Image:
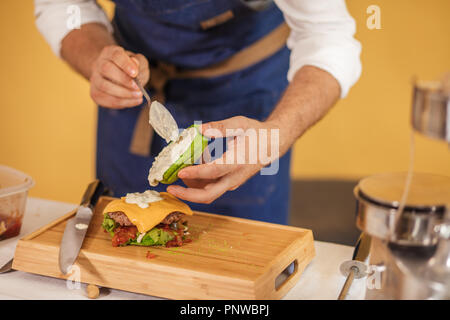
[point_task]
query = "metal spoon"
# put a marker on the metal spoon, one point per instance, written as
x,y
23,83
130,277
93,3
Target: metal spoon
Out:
x,y
160,118
144,92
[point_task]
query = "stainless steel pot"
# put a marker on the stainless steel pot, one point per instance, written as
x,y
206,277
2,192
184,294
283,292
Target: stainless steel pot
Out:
x,y
378,200
431,109
406,252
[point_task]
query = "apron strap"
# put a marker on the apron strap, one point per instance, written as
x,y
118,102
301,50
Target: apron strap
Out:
x,y
217,20
142,134
254,53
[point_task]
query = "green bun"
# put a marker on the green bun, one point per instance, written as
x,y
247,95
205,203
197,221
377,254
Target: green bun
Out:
x,y
188,158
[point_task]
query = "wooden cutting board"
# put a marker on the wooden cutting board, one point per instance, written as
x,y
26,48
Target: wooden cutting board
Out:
x,y
229,258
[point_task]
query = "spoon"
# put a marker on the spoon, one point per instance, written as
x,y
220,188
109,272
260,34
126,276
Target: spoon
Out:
x,y
160,118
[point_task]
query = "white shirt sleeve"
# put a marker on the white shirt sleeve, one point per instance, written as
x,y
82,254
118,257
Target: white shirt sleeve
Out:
x,y
322,36
55,18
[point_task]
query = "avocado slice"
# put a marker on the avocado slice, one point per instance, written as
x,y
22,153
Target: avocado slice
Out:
x,y
188,158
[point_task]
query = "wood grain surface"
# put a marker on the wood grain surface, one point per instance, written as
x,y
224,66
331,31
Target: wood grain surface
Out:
x,y
229,258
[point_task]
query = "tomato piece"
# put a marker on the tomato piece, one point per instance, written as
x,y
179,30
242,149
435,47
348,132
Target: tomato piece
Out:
x,y
177,242
122,235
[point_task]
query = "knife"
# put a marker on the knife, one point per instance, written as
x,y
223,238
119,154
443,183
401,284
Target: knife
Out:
x,y
355,268
77,226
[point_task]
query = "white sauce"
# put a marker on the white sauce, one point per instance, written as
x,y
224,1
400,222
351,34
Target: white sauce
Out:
x,y
81,226
169,155
139,238
163,122
143,199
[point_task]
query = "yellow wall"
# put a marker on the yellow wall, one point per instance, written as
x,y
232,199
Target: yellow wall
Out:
x,y
47,120
369,131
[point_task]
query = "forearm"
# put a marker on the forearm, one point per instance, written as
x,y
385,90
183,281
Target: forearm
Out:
x,y
310,95
81,47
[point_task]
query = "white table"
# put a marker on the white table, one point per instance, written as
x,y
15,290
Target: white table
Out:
x,y
320,280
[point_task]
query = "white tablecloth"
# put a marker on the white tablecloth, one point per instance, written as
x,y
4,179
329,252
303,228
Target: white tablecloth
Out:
x,y
320,280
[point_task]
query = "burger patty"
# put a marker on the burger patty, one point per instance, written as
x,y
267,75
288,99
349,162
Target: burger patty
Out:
x,y
173,217
122,219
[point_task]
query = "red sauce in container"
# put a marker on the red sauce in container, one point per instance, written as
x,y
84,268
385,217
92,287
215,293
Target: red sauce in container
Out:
x,y
14,186
9,227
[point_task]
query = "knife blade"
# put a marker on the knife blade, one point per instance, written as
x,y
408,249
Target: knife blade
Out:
x,y
76,227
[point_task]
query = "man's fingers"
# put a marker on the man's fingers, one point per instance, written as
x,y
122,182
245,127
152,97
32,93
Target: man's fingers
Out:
x,y
136,61
206,195
144,70
111,71
206,191
206,156
112,83
106,86
119,57
109,101
142,60
210,170
225,128
197,183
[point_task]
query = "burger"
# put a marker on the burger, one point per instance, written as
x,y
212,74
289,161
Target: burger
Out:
x,y
152,218
147,219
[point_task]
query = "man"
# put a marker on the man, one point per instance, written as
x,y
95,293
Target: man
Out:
x,y
223,62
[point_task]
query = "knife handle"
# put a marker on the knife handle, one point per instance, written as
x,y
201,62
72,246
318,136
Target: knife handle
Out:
x,y
92,193
347,284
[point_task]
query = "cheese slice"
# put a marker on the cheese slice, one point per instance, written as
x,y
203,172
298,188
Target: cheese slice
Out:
x,y
146,218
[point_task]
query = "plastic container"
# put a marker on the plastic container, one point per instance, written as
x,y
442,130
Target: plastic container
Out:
x,y
14,186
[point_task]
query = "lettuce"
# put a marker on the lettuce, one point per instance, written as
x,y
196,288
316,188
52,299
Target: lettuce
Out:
x,y
154,237
165,237
109,224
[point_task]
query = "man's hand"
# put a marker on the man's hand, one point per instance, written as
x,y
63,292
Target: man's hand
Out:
x,y
307,99
93,52
209,181
112,75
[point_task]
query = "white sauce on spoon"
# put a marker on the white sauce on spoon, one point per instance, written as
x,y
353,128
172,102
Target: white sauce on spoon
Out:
x,y
163,122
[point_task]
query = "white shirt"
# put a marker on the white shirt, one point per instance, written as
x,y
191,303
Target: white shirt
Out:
x,y
321,33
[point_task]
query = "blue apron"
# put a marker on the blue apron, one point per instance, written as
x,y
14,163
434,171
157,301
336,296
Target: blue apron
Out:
x,y
169,31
